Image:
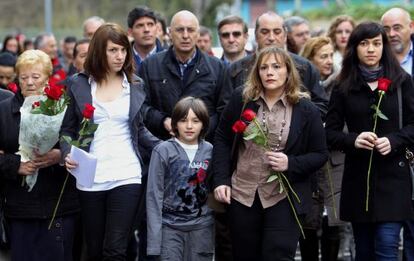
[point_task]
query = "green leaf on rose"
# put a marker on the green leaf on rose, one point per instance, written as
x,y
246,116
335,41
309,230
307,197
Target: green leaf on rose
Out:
x,y
272,178
382,116
251,136
260,140
86,141
67,139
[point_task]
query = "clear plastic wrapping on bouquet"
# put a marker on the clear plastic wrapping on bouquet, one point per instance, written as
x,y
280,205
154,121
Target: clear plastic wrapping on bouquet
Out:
x,y
38,133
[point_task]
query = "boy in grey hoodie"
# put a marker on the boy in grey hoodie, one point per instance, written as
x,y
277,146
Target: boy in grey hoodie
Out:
x,y
180,224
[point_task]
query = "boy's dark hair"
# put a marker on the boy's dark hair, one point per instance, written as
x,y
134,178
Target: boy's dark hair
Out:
x,y
181,110
139,12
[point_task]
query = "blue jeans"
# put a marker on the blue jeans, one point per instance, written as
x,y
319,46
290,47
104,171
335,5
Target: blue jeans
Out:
x,y
107,220
409,241
377,241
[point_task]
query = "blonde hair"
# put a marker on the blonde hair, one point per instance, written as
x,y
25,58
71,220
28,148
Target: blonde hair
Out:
x,y
312,46
34,57
254,85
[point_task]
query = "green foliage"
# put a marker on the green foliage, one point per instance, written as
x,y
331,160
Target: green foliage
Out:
x,y
359,11
68,16
255,133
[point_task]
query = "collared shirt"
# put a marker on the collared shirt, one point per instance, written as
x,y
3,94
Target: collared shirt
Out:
x,y
253,169
407,62
139,59
227,62
185,65
117,162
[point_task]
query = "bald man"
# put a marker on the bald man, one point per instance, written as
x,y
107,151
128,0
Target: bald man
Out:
x,y
182,70
399,27
270,31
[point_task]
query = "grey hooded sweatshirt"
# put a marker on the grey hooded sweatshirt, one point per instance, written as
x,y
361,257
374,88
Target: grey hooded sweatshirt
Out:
x,y
177,191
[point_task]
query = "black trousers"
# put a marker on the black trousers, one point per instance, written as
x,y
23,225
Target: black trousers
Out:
x,y
107,219
270,234
32,240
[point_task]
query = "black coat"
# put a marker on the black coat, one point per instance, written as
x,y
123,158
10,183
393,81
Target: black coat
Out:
x,y
390,182
4,94
40,202
306,148
164,88
239,71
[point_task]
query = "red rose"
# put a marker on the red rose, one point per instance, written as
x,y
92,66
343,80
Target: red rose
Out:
x,y
383,84
36,104
88,111
12,87
239,126
53,92
201,175
248,115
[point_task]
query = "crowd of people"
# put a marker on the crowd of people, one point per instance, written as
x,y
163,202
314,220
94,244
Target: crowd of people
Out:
x,y
238,157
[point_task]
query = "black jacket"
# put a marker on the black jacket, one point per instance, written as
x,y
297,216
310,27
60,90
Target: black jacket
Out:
x,y
164,88
306,146
40,202
80,93
4,94
239,71
390,182
137,59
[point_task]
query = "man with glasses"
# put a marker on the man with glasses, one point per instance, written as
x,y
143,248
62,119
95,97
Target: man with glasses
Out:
x,y
233,35
399,27
182,70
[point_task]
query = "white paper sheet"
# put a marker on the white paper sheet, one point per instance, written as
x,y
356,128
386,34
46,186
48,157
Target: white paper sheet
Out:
x,y
85,172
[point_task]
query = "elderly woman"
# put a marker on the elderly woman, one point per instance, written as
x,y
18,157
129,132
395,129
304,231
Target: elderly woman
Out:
x,y
339,32
262,222
327,181
29,213
377,203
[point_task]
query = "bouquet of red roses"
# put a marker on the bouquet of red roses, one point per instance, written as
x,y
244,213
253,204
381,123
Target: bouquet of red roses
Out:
x,y
41,118
251,129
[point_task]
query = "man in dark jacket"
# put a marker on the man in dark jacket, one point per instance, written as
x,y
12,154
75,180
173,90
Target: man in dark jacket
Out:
x,y
270,31
398,25
142,26
182,70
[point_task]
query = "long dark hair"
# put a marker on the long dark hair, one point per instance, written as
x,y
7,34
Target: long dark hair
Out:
x,y
349,75
96,62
